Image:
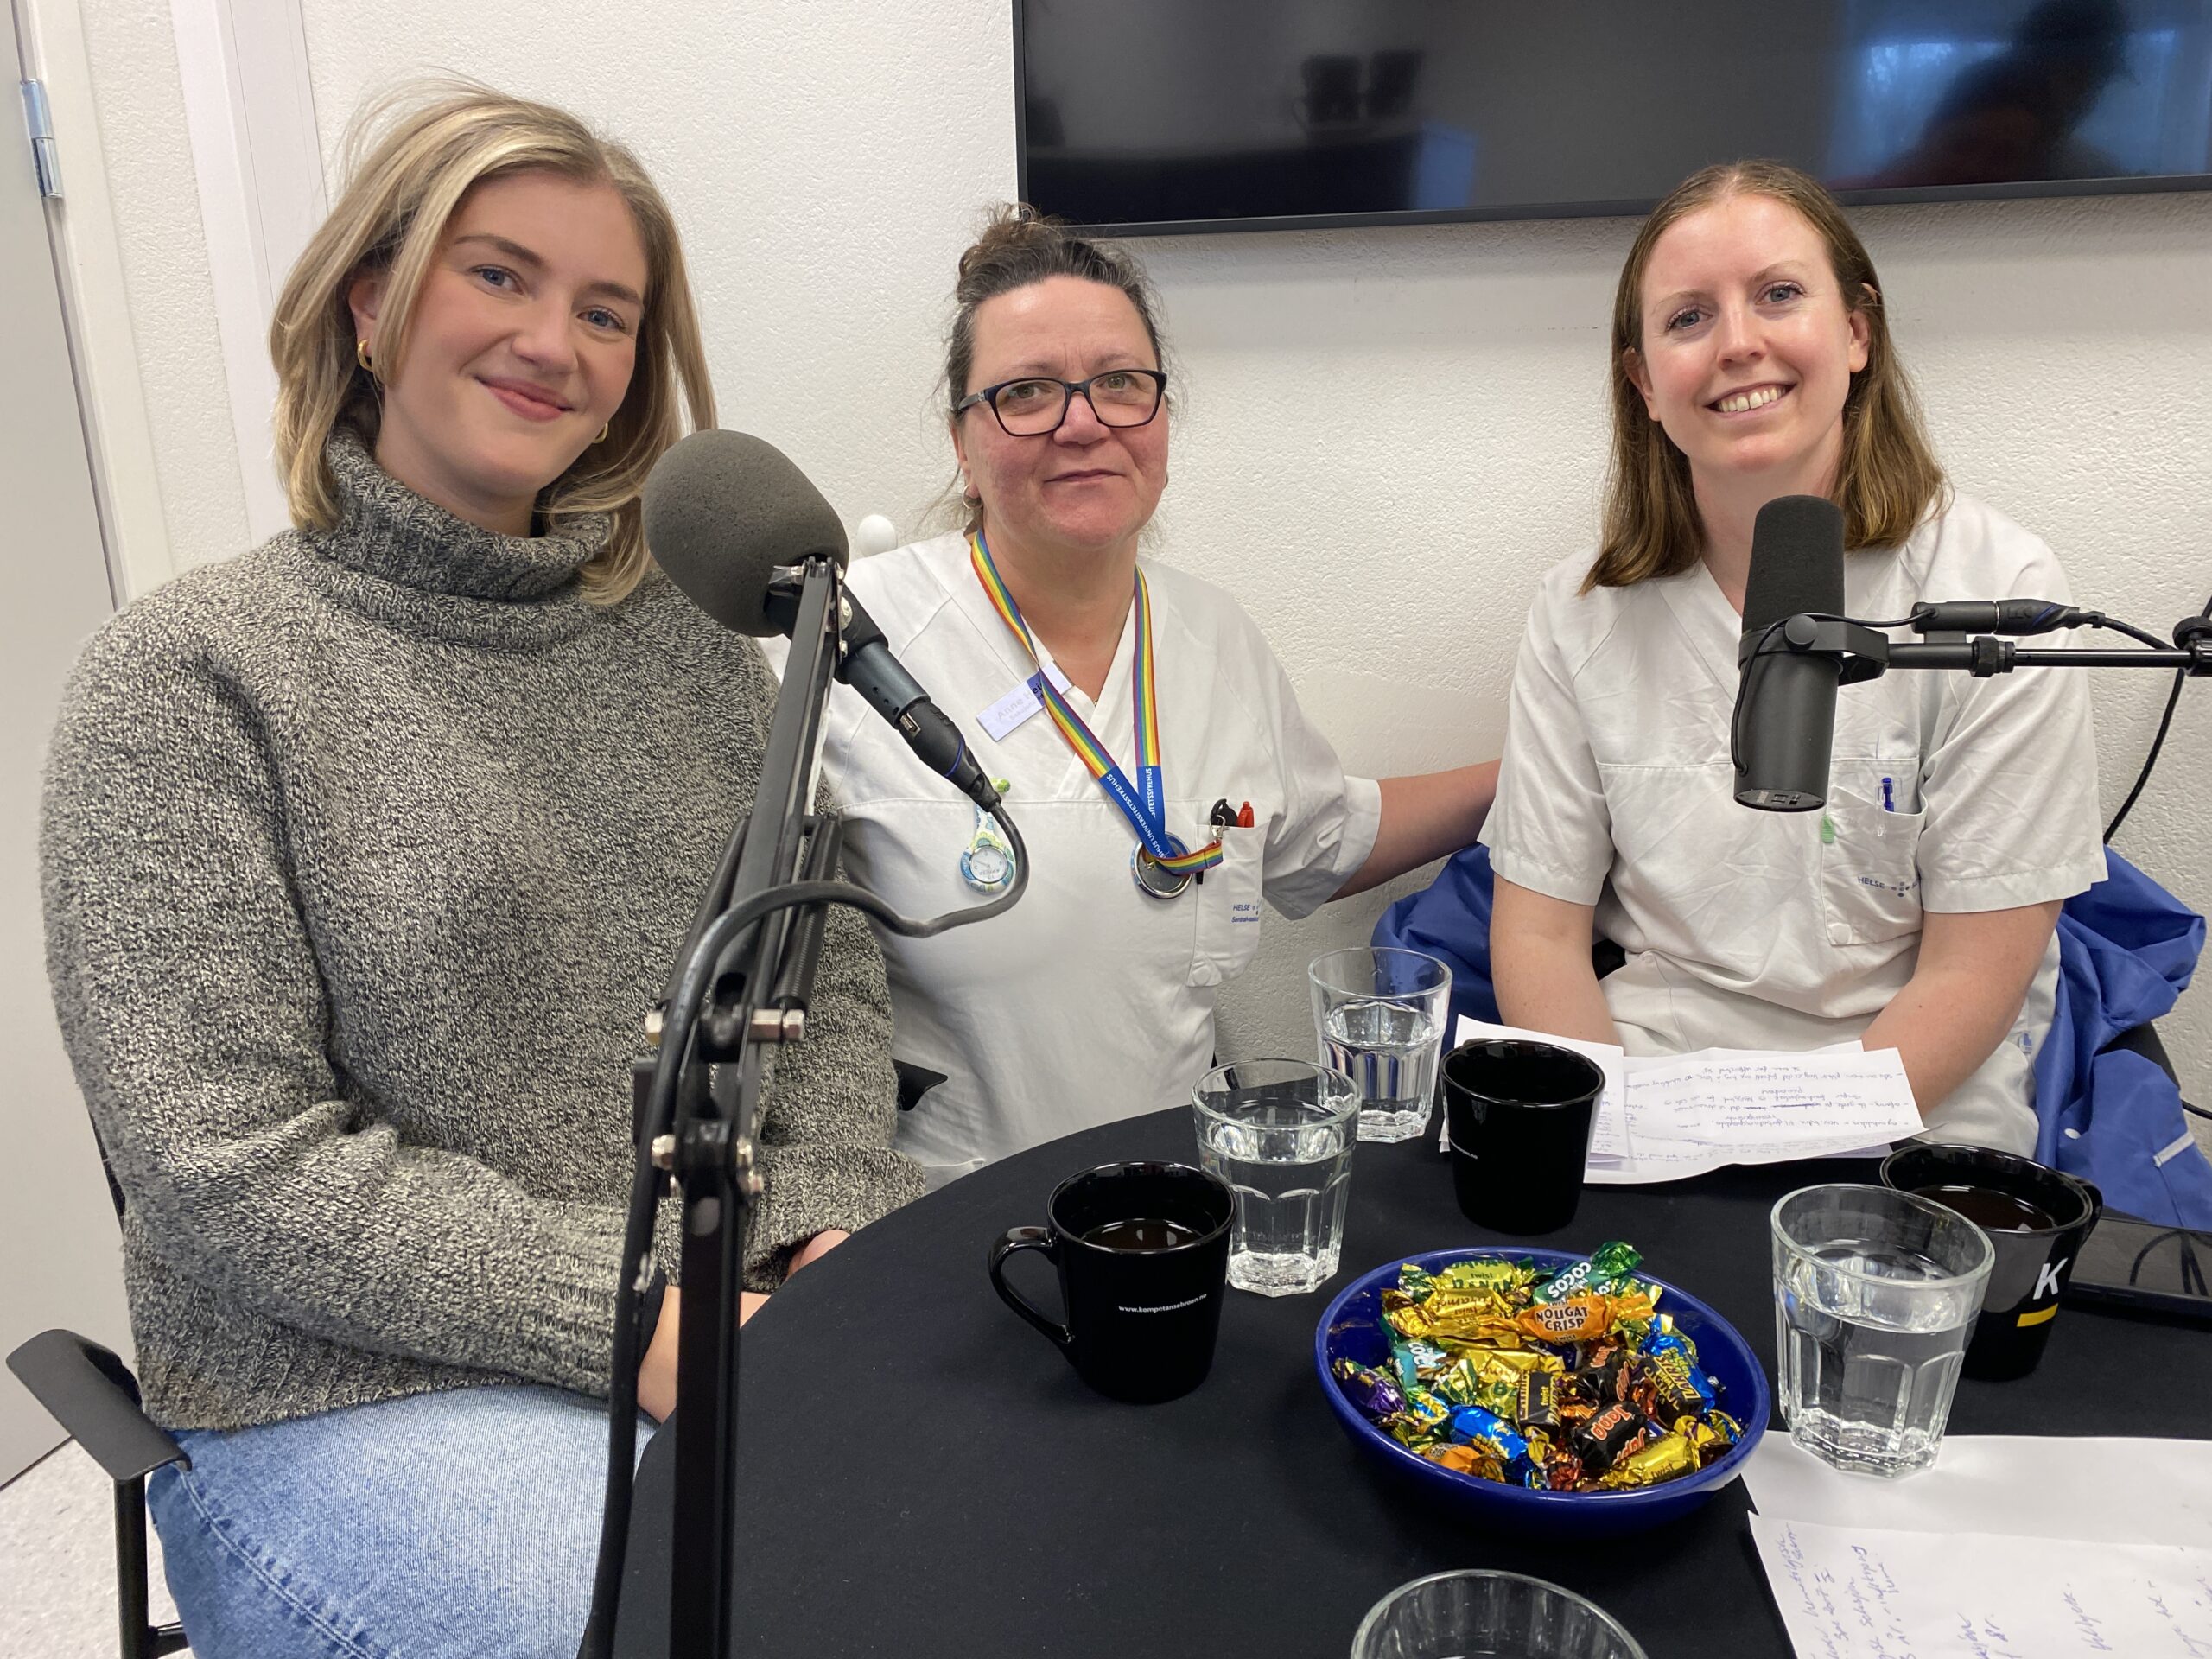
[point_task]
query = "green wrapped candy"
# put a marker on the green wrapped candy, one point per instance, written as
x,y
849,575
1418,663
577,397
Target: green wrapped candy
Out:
x,y
1615,1259
1416,1282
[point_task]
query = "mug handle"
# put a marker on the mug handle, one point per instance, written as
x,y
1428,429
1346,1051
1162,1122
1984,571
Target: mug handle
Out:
x,y
1026,1238
2096,1200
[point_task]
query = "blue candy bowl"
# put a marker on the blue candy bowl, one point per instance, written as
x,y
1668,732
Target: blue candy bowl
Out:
x,y
1352,1329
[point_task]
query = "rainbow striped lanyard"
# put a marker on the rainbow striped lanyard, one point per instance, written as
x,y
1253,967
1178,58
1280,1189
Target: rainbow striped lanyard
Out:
x,y
1145,806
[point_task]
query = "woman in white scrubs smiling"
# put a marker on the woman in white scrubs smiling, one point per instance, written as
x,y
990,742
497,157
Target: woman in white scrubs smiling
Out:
x,y
1752,360
1093,999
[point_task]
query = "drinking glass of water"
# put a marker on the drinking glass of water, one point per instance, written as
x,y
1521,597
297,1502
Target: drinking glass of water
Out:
x,y
1380,1015
1875,1294
1480,1612
1281,1133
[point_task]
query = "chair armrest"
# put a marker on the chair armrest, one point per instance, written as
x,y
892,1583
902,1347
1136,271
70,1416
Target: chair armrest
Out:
x,y
91,1394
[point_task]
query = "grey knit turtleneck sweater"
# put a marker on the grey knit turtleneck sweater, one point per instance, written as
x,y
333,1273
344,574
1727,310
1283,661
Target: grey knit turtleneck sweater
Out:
x,y
363,855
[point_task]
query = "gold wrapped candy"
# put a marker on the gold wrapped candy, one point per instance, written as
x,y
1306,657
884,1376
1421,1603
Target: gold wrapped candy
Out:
x,y
1665,1457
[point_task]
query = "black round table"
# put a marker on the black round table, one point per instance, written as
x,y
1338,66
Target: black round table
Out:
x,y
922,1474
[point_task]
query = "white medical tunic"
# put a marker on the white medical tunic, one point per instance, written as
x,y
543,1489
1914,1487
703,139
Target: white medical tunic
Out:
x,y
1089,1000
1770,930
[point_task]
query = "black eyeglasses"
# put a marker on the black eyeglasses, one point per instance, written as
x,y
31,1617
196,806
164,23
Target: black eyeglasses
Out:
x,y
1035,405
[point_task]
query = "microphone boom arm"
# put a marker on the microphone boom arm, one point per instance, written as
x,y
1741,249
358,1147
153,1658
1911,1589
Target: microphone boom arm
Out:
x,y
1865,653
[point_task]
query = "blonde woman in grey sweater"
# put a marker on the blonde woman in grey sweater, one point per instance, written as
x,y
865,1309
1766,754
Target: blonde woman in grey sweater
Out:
x,y
364,854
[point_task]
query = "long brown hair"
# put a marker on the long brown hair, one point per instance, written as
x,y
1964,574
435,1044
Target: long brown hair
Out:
x,y
413,157
1888,479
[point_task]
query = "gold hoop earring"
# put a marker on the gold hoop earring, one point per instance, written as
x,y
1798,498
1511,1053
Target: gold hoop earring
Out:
x,y
361,356
603,431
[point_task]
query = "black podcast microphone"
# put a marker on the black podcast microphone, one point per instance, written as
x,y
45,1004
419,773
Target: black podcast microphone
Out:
x,y
1785,707
725,514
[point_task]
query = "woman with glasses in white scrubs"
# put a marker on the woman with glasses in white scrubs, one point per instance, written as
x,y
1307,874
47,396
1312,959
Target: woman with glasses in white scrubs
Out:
x,y
1752,360
1155,757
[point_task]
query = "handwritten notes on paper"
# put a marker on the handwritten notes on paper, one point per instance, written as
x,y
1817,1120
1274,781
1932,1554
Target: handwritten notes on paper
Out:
x,y
1988,1553
1665,1117
1857,1594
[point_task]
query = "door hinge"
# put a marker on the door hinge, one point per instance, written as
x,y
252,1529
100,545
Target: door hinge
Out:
x,y
40,120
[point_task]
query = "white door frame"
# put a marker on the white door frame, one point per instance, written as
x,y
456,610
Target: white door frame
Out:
x,y
249,105
96,306
256,153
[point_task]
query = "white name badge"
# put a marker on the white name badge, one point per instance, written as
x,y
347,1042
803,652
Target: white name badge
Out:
x,y
1010,711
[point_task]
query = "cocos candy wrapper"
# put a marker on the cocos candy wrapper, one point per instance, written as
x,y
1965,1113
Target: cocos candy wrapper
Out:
x,y
1610,1261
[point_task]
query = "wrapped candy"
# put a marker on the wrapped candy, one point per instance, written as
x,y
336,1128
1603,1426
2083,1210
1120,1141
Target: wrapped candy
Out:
x,y
1609,1261
1609,1436
1377,1393
1535,1402
1677,1385
1710,1437
1465,1381
1662,1459
1493,1437
1492,1273
1416,1360
1579,1318
1465,1458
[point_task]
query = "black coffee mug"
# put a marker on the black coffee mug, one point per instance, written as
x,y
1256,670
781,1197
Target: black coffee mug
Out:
x,y
1521,1115
1143,1255
2038,1217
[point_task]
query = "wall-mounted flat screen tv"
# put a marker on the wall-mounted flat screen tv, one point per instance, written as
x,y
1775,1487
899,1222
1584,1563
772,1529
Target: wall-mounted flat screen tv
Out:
x,y
1196,115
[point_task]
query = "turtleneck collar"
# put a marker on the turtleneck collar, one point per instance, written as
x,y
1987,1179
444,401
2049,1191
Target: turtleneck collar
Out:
x,y
388,532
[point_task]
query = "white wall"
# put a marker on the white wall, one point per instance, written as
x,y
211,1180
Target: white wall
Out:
x,y
1387,435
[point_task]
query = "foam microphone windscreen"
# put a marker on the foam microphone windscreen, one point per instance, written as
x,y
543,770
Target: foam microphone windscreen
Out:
x,y
723,511
1796,562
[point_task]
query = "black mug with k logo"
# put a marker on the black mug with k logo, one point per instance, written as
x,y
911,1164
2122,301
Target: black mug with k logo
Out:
x,y
2038,1219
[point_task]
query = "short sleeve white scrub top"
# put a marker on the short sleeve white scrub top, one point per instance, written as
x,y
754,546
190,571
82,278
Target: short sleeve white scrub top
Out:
x,y
1791,931
1089,1000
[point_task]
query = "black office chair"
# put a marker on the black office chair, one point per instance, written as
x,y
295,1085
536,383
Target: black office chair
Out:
x,y
91,1394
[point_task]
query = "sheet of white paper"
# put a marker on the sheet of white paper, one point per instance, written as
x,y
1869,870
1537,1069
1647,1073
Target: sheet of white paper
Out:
x,y
1855,1594
1688,1114
1609,1140
2116,1491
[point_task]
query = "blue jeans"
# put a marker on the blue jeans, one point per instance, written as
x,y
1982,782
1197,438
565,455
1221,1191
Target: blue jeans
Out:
x,y
464,1522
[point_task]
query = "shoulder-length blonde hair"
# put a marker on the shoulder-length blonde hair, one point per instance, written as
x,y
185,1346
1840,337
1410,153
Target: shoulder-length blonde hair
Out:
x,y
412,157
1888,479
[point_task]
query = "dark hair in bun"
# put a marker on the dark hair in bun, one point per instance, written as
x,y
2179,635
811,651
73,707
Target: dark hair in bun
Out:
x,y
1019,246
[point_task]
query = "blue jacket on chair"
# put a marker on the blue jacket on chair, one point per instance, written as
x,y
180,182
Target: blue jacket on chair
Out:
x,y
2126,949
1449,919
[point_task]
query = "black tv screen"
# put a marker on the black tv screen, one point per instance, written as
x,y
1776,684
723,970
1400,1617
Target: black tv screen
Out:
x,y
1187,115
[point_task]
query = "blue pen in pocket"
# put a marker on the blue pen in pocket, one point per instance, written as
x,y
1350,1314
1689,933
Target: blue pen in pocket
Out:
x,y
1889,795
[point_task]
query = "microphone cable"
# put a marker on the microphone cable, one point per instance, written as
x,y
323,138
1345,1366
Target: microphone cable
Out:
x,y
1759,652
676,1035
2158,742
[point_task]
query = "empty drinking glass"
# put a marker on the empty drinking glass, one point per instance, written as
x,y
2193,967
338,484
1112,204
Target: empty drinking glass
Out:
x,y
1379,1013
1281,1133
1478,1612
1875,1293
